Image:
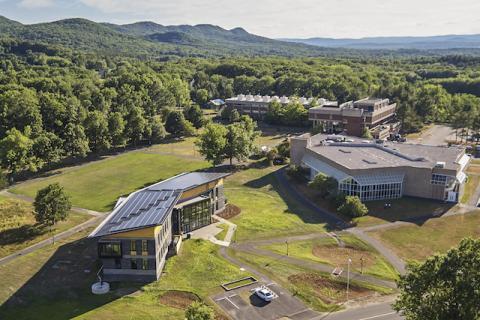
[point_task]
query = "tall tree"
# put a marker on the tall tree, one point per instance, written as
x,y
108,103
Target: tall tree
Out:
x,y
445,286
240,139
212,142
51,205
194,114
16,152
96,126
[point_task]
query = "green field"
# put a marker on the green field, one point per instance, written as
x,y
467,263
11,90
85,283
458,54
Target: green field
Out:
x,y
18,228
267,210
402,209
317,290
326,250
49,293
435,235
97,185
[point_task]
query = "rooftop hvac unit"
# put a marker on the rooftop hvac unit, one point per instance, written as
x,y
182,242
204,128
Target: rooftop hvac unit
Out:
x,y
440,164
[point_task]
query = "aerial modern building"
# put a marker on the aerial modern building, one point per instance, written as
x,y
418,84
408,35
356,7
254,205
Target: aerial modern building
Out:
x,y
350,118
386,170
257,106
134,239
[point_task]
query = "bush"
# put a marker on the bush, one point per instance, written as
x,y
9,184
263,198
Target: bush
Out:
x,y
297,173
353,207
324,184
199,311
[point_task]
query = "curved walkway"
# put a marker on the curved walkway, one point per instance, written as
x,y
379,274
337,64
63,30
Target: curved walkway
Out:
x,y
335,221
95,220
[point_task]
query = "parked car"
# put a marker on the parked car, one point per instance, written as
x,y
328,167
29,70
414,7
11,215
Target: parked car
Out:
x,y
265,294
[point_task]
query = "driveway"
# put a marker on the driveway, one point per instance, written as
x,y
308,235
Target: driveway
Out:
x,y
243,304
435,136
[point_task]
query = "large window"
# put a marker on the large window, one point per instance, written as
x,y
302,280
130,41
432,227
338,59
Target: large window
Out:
x,y
380,191
133,247
440,179
144,248
109,249
196,215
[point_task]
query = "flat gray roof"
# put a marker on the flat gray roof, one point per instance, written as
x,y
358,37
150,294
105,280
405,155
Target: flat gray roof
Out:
x,y
357,153
151,205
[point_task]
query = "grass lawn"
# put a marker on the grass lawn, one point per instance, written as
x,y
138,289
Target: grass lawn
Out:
x,y
18,228
326,250
402,209
470,187
435,235
223,233
51,284
267,210
97,185
317,290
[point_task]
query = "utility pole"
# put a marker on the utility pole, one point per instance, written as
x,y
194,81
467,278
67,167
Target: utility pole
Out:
x,y
361,265
286,242
348,277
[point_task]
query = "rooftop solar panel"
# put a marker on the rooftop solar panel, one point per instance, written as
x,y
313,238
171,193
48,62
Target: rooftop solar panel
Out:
x,y
149,206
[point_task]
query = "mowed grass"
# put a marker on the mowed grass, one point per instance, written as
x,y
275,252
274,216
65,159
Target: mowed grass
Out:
x,y
42,292
97,185
326,250
223,233
402,209
18,228
318,290
470,187
417,242
267,210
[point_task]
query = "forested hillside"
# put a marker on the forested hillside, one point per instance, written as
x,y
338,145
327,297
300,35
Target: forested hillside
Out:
x,y
59,103
148,40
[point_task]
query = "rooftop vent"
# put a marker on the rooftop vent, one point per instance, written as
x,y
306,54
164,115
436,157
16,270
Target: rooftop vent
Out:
x,y
369,162
345,151
440,164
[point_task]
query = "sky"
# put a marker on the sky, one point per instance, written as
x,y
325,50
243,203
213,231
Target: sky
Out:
x,y
270,18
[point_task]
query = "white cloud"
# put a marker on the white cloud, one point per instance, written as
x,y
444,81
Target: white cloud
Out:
x,y
31,4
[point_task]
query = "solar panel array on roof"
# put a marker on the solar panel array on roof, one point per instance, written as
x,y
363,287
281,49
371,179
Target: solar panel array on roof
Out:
x,y
150,206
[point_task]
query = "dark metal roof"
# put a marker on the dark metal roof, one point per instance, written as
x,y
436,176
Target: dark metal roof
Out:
x,y
150,206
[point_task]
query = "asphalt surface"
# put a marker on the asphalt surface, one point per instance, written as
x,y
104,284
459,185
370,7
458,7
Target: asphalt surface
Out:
x,y
243,304
382,311
435,136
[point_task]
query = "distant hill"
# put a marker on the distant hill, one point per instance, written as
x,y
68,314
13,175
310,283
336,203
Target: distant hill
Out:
x,y
394,43
148,39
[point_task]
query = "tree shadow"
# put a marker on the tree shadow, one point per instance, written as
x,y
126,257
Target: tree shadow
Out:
x,y
21,234
295,204
60,289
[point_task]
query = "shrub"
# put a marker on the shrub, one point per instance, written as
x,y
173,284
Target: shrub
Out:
x,y
353,207
297,173
199,311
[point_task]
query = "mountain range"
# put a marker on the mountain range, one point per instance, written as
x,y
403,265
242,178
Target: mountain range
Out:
x,y
150,39
394,43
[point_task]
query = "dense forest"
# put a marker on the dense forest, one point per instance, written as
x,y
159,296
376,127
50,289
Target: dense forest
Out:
x,y
59,103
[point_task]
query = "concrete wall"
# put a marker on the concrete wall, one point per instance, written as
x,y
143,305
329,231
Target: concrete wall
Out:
x,y
297,148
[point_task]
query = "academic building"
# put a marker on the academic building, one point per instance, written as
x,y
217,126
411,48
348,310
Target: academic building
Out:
x,y
386,170
133,241
350,118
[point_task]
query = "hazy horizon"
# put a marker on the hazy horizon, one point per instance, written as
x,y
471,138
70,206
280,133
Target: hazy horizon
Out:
x,y
338,19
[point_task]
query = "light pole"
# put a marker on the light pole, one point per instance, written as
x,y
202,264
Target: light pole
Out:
x,y
348,276
286,242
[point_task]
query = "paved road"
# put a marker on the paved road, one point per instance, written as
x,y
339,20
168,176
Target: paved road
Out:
x,y
435,136
382,311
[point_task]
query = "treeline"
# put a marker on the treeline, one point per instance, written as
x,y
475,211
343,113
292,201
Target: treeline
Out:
x,y
57,106
57,103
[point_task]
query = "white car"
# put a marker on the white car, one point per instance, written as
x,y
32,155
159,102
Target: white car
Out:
x,y
264,293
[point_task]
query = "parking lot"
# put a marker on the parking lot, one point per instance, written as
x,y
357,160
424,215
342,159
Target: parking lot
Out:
x,y
243,304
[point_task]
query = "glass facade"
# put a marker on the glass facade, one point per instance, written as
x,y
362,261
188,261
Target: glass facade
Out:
x,y
109,249
196,215
372,191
